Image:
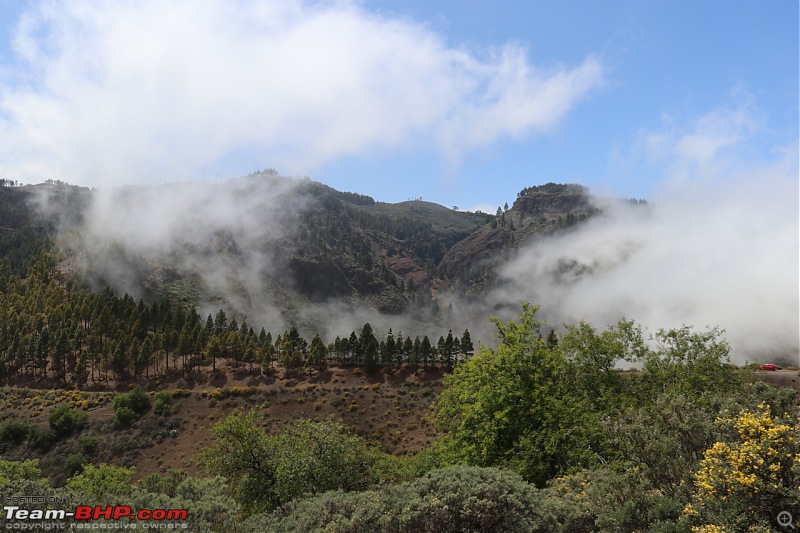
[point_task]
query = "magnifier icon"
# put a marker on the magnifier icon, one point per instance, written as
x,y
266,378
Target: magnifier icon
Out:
x,y
785,519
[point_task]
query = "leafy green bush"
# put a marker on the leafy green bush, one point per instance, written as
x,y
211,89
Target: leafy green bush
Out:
x,y
334,511
124,417
64,420
311,457
74,464
451,500
211,508
308,458
162,405
465,498
163,484
607,499
41,440
14,432
543,409
102,481
136,400
521,407
130,406
11,471
666,437
90,444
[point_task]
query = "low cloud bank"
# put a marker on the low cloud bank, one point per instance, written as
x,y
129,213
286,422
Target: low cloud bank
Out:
x,y
716,246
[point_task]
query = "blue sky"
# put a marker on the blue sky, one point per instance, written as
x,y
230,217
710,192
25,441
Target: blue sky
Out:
x,y
460,102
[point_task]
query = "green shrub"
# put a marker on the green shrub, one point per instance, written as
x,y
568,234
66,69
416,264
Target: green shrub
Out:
x,y
136,400
353,512
14,433
465,498
14,471
618,498
124,417
307,458
162,405
167,485
74,464
102,481
39,439
64,420
455,499
90,444
129,407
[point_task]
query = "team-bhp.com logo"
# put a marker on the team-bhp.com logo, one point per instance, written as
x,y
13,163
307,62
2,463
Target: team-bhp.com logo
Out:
x,y
94,517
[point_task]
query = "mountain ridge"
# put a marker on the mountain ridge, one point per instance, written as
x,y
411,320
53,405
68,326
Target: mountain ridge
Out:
x,y
297,243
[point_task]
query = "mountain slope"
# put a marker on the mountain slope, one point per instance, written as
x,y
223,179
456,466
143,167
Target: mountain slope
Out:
x,y
286,250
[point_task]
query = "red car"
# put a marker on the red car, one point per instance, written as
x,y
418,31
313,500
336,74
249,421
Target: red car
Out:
x,y
768,366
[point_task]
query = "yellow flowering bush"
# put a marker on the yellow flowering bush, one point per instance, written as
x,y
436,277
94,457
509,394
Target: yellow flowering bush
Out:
x,y
755,468
243,391
709,528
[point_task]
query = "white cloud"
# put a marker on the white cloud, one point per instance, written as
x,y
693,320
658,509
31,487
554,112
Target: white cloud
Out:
x,y
152,90
483,208
226,237
717,246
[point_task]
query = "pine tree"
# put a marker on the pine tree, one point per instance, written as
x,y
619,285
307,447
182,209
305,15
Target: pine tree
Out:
x,y
220,322
269,349
262,337
119,361
42,353
158,344
60,358
80,374
371,357
426,351
294,341
318,354
146,356
353,350
446,351
209,326
388,353
250,357
135,355
467,347
408,346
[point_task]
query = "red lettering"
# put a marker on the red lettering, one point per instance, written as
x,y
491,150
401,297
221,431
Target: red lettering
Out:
x,y
121,511
83,512
177,514
103,512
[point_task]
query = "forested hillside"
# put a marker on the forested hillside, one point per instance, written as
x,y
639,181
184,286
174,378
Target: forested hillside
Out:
x,y
68,335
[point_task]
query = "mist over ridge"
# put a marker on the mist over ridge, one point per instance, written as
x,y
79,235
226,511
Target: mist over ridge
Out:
x,y
278,251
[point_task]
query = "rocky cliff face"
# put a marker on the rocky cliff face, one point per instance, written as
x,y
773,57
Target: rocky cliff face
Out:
x,y
553,200
537,211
